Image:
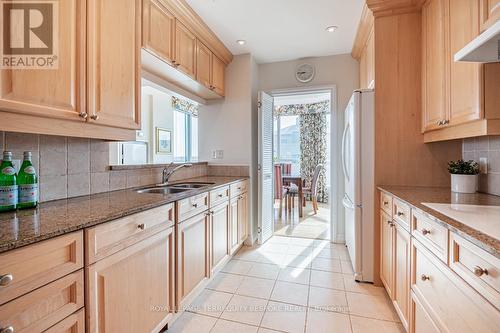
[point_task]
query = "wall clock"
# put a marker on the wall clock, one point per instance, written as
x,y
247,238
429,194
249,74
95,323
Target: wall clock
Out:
x,y
304,73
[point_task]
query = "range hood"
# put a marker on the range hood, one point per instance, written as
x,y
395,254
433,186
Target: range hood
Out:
x,y
484,48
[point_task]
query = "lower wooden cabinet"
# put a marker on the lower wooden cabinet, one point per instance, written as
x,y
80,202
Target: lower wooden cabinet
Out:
x,y
133,290
242,217
386,251
238,230
233,227
219,235
74,323
193,259
401,269
422,322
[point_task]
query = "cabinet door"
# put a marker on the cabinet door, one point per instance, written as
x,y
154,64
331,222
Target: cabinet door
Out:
x,y
242,217
219,232
218,80
421,321
133,290
465,78
490,13
185,50
401,268
386,252
114,64
57,93
233,227
203,64
193,258
434,64
158,26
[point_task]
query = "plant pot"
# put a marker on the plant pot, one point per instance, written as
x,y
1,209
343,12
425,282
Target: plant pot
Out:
x,y
464,183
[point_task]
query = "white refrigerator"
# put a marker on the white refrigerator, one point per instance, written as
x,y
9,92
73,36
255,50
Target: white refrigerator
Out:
x,y
358,146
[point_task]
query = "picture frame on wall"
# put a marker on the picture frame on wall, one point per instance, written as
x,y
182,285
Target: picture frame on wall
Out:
x,y
163,141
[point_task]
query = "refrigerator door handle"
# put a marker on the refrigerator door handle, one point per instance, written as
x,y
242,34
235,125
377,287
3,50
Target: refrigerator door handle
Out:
x,y
344,167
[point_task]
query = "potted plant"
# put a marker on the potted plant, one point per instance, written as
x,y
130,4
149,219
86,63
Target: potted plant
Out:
x,y
463,176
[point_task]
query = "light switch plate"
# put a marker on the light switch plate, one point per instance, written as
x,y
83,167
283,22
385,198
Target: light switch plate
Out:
x,y
214,154
220,154
483,165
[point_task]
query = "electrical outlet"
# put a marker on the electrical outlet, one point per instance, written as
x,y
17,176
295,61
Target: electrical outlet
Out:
x,y
220,154
483,165
214,154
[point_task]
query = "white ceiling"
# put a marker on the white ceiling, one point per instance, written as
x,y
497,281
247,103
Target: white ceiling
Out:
x,y
278,30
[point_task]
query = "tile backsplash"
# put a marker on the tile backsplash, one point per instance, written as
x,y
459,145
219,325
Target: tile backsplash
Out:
x,y
488,147
70,167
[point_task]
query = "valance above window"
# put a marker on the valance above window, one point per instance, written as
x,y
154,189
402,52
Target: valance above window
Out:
x,y
183,105
298,109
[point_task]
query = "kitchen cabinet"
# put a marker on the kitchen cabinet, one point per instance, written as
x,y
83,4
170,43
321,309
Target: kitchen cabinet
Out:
x,y
367,63
234,241
133,290
74,323
114,63
422,322
401,269
242,217
458,98
53,93
204,67
386,252
219,235
218,76
185,50
158,26
193,255
490,12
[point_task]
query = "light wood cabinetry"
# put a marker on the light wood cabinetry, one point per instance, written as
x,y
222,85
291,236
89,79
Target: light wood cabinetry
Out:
x,y
490,12
204,58
193,255
185,50
45,306
364,49
192,206
74,323
234,241
422,322
401,269
158,26
219,235
456,98
114,63
133,290
242,217
386,252
430,233
218,76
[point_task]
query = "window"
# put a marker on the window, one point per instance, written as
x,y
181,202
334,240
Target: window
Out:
x,y
185,141
287,141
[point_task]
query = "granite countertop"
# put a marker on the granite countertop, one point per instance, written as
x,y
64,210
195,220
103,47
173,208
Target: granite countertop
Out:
x,y
416,196
54,218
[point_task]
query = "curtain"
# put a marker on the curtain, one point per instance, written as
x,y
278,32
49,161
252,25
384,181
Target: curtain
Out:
x,y
313,150
183,105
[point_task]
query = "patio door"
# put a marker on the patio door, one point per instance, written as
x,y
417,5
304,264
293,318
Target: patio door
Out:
x,y
265,167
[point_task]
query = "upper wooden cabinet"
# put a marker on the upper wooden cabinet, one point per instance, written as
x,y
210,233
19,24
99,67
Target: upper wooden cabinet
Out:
x,y
364,49
490,12
458,98
53,93
114,77
158,26
182,50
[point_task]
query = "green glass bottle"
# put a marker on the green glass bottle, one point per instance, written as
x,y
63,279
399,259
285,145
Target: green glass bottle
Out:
x,y
8,185
27,182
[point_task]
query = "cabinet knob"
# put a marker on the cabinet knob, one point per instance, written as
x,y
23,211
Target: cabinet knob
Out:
x,y
400,213
446,122
141,226
425,277
478,271
94,117
83,115
8,329
386,203
195,205
220,195
425,232
6,279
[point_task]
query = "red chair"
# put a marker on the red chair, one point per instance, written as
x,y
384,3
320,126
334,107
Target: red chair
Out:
x,y
279,190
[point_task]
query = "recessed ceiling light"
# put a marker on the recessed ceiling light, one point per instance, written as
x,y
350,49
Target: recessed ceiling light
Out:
x,y
241,41
331,28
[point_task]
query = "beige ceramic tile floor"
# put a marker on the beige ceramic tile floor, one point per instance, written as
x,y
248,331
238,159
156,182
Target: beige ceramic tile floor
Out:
x,y
309,226
292,285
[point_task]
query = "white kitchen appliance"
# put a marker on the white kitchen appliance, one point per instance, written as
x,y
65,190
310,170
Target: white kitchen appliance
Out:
x,y
358,146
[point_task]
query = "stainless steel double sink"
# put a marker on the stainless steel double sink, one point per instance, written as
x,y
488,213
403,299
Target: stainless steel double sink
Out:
x,y
174,188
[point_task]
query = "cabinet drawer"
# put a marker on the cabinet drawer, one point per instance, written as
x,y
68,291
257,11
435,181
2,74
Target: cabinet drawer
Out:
x,y
111,237
452,303
431,234
219,195
74,323
238,188
401,213
35,265
44,307
386,203
191,206
479,268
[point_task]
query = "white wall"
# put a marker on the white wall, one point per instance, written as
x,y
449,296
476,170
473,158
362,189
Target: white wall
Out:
x,y
339,70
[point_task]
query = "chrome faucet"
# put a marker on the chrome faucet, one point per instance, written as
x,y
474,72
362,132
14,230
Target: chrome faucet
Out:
x,y
170,169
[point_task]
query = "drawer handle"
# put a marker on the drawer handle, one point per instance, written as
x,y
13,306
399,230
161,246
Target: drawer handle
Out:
x,y
195,205
5,280
220,195
425,277
141,226
239,188
425,232
478,271
386,203
401,214
8,329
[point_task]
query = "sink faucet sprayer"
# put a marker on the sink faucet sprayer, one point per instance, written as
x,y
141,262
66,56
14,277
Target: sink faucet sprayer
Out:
x,y
170,169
